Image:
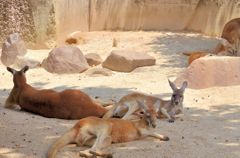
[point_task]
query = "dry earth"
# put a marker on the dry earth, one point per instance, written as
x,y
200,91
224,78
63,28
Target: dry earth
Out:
x,y
210,127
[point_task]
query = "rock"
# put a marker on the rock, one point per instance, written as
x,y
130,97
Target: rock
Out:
x,y
65,59
93,72
127,60
20,62
93,59
14,46
211,72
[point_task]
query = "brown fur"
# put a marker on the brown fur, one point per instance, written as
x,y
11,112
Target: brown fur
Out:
x,y
128,104
195,55
68,104
231,31
100,133
71,40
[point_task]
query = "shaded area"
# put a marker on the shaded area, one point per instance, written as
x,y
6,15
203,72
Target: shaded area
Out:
x,y
214,131
183,43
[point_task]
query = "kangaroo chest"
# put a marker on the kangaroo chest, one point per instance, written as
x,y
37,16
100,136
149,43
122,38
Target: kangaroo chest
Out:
x,y
124,132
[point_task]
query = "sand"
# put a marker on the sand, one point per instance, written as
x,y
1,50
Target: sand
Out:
x,y
210,127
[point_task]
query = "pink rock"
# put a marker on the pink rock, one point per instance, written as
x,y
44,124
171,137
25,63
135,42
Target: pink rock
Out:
x,y
211,71
127,60
93,59
65,59
94,72
14,46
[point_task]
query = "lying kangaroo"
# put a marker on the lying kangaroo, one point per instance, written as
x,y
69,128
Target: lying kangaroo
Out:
x,y
228,45
128,104
68,104
195,55
100,133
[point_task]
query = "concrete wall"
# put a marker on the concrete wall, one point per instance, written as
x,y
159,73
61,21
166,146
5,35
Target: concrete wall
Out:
x,y
56,19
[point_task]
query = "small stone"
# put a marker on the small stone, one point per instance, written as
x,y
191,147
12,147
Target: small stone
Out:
x,y
93,59
95,72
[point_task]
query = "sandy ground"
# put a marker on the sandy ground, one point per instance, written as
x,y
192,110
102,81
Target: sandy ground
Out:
x,y
210,127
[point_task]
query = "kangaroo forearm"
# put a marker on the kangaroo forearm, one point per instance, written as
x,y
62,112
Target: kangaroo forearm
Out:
x,y
10,103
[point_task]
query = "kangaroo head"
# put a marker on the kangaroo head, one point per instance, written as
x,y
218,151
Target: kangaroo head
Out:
x,y
18,76
178,94
149,115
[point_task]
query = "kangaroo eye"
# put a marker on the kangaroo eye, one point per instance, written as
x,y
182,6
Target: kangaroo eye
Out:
x,y
174,95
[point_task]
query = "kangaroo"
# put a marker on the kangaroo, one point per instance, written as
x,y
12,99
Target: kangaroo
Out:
x,y
100,133
231,31
128,104
228,45
68,104
195,55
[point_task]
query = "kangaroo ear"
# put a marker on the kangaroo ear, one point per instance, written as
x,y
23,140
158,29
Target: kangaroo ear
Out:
x,y
11,70
184,85
172,85
24,69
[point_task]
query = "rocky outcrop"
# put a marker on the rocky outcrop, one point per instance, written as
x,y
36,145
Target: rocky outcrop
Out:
x,y
13,47
16,16
93,59
34,20
211,72
65,59
127,60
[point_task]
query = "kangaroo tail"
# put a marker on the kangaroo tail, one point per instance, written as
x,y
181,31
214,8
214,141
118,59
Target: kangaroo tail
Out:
x,y
186,53
102,103
67,138
110,112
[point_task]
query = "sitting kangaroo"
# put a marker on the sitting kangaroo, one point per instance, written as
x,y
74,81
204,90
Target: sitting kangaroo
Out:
x,y
68,104
100,133
128,104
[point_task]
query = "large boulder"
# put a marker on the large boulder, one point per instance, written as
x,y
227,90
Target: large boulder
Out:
x,y
211,72
65,59
93,59
14,46
127,60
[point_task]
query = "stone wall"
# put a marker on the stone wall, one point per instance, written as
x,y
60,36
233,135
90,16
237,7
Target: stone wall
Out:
x,y
17,16
41,21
